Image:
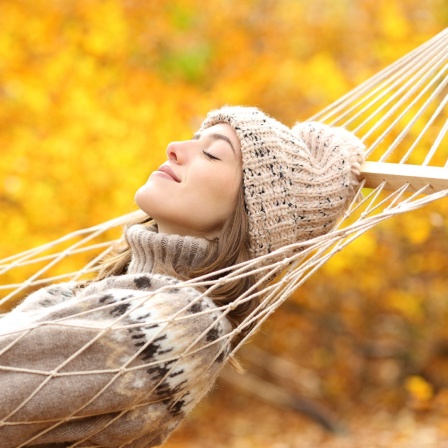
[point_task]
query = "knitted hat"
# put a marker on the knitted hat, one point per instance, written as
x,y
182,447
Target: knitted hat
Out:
x,y
297,182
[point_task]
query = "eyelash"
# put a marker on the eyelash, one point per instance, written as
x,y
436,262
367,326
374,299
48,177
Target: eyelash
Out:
x,y
210,156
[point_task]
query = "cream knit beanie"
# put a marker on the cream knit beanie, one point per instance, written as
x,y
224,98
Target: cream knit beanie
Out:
x,y
297,182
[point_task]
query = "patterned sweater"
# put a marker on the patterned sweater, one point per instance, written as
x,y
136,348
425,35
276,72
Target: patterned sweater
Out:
x,y
118,363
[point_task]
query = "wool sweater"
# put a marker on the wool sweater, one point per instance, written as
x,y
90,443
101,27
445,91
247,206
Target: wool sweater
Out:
x,y
118,363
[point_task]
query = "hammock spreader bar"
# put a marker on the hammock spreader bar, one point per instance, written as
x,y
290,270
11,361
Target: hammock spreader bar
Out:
x,y
395,175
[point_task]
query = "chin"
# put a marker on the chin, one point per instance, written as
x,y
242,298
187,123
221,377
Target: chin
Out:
x,y
142,201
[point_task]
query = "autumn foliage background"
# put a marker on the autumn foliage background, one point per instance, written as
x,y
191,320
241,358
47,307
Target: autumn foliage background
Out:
x,y
91,92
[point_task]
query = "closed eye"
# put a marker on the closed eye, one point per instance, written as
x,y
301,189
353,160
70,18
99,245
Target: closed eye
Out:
x,y
210,156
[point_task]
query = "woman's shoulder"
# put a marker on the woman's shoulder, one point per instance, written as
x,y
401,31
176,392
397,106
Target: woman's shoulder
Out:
x,y
147,286
175,327
164,297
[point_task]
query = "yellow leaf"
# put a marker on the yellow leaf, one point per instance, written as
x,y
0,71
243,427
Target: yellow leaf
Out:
x,y
419,388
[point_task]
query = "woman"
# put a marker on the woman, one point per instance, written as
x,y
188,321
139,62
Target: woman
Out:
x,y
120,361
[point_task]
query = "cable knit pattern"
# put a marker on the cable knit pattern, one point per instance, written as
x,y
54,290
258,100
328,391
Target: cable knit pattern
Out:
x,y
297,182
118,363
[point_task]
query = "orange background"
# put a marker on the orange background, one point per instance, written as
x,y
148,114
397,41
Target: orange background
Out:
x,y
92,91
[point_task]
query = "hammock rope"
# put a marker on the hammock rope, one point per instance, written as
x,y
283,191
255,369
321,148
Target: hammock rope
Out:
x,y
400,113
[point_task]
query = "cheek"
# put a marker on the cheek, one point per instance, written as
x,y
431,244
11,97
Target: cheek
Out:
x,y
222,189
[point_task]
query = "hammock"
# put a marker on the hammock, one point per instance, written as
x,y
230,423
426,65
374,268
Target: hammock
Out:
x,y
400,114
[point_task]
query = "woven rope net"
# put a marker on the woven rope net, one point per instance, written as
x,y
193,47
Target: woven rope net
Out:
x,y
400,114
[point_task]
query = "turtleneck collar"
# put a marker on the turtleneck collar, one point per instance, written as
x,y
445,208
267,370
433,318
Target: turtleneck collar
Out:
x,y
161,253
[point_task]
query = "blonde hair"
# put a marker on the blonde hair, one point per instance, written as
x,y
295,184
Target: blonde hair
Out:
x,y
230,248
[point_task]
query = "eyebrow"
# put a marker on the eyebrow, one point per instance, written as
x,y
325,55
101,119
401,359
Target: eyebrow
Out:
x,y
215,136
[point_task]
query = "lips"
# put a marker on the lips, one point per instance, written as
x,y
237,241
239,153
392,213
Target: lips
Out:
x,y
167,170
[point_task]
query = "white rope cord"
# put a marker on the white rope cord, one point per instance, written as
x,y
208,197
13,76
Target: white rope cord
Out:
x,y
370,88
400,114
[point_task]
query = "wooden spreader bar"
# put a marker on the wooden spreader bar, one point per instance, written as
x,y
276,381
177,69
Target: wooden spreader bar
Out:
x,y
397,174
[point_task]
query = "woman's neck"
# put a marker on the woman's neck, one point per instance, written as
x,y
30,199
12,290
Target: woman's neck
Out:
x,y
162,253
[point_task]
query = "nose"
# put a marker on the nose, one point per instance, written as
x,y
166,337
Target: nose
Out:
x,y
171,151
177,151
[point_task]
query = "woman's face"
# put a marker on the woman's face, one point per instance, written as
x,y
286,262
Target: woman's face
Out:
x,y
195,190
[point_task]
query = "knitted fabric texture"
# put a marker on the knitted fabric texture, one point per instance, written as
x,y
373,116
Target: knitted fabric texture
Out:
x,y
297,182
163,253
119,362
